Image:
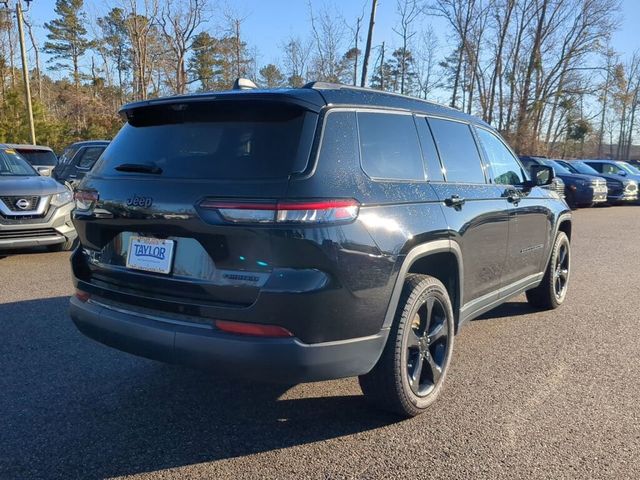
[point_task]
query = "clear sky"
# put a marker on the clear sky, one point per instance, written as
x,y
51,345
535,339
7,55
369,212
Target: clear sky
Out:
x,y
269,22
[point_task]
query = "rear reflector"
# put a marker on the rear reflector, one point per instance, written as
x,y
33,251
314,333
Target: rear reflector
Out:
x,y
83,296
252,329
304,212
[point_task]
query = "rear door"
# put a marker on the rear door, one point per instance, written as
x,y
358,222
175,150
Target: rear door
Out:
x,y
476,210
530,221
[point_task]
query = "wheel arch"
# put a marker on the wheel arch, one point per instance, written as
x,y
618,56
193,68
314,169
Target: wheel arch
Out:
x,y
441,259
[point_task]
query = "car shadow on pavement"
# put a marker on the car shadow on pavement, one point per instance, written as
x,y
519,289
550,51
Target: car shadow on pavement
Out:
x,y
508,309
74,408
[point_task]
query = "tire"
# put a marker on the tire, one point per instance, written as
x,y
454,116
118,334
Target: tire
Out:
x,y
552,291
420,342
63,247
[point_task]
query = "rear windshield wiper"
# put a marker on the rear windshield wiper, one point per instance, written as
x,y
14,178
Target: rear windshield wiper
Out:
x,y
139,168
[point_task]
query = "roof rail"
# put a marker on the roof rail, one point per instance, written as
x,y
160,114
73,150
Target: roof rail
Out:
x,y
340,86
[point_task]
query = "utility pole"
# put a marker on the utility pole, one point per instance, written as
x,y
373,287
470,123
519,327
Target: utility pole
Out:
x,y
367,50
25,69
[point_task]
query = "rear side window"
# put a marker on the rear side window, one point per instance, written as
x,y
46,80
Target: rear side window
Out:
x,y
458,151
505,168
89,157
389,146
224,140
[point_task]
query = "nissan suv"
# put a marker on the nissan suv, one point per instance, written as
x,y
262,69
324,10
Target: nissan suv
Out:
x,y
35,210
307,234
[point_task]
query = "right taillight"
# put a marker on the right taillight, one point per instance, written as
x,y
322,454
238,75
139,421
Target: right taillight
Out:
x,y
286,212
85,200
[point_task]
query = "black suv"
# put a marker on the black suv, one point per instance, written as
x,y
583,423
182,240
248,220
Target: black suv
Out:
x,y
77,160
309,234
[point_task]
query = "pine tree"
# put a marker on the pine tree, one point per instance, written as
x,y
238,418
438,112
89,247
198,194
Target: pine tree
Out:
x,y
67,37
271,76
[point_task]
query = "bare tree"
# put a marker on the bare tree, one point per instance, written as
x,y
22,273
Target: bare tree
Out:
x,y
179,22
409,11
328,35
426,51
140,24
296,57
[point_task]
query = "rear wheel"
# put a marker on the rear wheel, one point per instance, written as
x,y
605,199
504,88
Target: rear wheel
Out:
x,y
553,289
410,373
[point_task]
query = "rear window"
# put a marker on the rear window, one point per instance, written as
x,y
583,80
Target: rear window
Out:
x,y
40,158
389,146
214,140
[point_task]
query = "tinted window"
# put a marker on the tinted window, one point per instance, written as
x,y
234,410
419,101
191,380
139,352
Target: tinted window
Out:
x,y
458,151
429,152
581,167
67,155
89,157
596,166
42,158
389,146
504,166
214,140
607,168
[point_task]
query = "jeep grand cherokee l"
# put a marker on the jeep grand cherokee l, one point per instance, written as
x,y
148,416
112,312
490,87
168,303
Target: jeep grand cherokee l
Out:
x,y
308,234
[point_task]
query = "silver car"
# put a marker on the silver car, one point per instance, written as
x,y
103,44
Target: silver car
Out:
x,y
40,157
34,210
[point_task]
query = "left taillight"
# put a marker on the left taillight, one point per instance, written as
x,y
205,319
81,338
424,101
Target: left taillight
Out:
x,y
285,212
85,200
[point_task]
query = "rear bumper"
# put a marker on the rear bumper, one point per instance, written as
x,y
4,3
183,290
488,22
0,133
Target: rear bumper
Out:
x,y
285,360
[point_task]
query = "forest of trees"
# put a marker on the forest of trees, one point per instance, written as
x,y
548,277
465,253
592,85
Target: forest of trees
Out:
x,y
541,71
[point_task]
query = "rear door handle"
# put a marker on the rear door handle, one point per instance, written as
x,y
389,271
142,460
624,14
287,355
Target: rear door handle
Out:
x,y
454,201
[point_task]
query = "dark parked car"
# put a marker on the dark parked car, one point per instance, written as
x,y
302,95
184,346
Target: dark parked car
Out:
x,y
580,190
307,234
40,157
557,185
620,189
615,167
77,160
34,210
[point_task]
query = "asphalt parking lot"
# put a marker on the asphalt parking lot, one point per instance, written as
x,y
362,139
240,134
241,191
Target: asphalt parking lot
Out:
x,y
530,394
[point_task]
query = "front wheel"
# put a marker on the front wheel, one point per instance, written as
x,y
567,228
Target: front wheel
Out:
x,y
552,290
411,370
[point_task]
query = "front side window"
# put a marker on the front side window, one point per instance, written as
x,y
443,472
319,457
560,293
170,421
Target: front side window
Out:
x,y
597,167
458,151
389,146
504,166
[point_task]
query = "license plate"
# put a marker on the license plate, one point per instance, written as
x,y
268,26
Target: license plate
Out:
x,y
150,254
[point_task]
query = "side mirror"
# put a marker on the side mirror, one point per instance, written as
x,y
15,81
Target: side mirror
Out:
x,y
622,172
45,171
541,175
